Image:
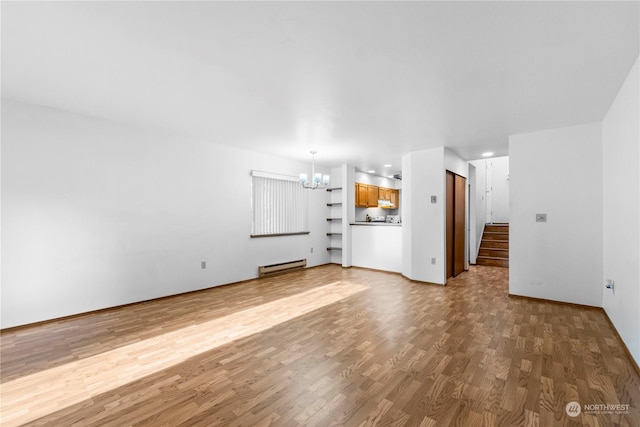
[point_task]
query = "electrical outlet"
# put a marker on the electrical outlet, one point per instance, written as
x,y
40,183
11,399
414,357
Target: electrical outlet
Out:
x,y
203,264
311,250
610,284
433,261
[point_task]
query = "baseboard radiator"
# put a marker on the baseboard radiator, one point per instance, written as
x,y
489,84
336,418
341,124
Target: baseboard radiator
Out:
x,y
283,267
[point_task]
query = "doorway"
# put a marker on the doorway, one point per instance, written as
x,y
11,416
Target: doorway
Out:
x,y
456,187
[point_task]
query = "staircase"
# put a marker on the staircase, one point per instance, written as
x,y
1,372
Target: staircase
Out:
x,y
494,248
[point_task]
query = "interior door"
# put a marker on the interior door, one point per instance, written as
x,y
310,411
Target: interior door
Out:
x,y
450,222
459,228
456,187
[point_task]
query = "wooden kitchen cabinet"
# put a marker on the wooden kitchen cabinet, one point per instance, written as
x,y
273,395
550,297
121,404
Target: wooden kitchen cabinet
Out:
x,y
394,196
361,195
372,196
367,196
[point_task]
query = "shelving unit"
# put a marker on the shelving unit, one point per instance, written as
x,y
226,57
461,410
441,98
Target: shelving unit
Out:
x,y
335,222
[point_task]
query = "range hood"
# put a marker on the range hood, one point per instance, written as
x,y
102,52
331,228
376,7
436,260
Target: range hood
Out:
x,y
384,203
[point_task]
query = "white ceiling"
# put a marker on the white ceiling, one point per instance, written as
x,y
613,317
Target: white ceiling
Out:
x,y
361,82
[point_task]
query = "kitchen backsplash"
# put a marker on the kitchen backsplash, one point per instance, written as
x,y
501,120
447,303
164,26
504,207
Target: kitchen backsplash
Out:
x,y
361,213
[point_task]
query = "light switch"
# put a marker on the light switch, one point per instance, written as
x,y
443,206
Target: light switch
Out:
x,y
433,199
541,217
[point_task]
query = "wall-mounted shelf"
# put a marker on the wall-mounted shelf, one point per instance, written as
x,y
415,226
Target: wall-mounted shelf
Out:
x,y
334,234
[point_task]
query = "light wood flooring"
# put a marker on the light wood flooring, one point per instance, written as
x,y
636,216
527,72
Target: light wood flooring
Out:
x,y
323,347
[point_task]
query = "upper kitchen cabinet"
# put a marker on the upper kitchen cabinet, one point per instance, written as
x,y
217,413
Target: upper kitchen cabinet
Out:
x,y
372,196
384,193
394,197
361,195
367,196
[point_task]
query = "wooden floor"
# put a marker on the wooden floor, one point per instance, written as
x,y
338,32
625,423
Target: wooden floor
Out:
x,y
321,347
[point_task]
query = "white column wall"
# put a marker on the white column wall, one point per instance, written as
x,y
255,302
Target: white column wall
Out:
x,y
423,228
472,235
480,201
621,212
349,203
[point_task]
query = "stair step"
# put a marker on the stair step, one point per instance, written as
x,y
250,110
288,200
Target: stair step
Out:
x,y
494,244
495,236
497,227
492,261
494,247
494,252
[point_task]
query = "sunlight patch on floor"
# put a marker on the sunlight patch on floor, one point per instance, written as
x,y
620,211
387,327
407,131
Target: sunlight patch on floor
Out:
x,y
37,395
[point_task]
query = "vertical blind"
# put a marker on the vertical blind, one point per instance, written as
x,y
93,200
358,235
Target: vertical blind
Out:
x,y
279,205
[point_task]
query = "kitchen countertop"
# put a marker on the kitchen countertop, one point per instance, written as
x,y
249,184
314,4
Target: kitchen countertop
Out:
x,y
385,224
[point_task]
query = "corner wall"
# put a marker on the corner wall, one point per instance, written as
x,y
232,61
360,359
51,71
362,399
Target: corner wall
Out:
x,y
97,214
480,203
621,212
557,172
423,222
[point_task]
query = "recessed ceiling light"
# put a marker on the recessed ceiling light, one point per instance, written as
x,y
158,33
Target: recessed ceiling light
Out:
x,y
487,154
387,165
371,171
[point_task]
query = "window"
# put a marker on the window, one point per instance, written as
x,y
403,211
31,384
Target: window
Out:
x,y
279,205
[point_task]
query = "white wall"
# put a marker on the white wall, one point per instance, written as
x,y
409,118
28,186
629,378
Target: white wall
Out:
x,y
455,164
96,214
377,246
348,208
472,234
499,189
557,172
379,181
621,212
480,201
492,192
423,222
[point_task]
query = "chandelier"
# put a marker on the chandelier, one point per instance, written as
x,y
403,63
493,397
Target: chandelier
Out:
x,y
317,179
